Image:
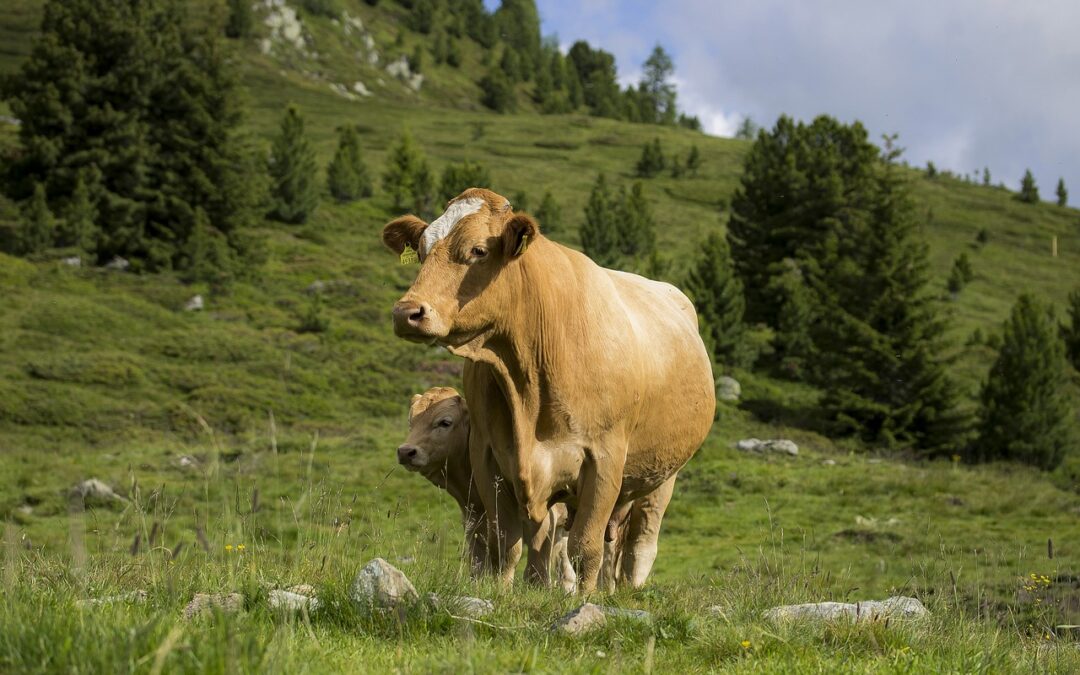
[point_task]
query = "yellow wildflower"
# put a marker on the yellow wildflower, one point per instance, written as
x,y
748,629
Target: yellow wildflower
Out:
x,y
240,547
745,644
228,547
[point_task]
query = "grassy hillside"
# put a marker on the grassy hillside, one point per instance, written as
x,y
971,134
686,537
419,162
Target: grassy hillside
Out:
x,y
104,374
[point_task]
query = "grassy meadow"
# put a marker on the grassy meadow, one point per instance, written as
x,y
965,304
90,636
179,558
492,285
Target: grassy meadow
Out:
x,y
249,424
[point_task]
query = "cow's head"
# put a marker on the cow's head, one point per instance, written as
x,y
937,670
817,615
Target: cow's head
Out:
x,y
464,257
438,430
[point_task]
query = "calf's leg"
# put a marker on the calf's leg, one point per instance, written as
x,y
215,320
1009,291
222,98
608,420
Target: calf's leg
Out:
x,y
643,533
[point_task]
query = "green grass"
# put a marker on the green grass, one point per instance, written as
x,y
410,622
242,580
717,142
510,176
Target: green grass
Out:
x,y
103,374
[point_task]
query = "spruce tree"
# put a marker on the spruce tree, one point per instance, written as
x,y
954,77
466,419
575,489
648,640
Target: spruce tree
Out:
x,y
652,159
986,176
549,215
293,172
497,92
520,201
1070,332
456,178
518,23
347,176
880,334
206,253
693,161
1029,192
77,230
1062,193
241,20
635,226
38,225
1027,413
718,298
599,234
658,100
792,339
407,177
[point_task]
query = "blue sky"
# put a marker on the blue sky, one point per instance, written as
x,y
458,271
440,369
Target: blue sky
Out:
x,y
966,83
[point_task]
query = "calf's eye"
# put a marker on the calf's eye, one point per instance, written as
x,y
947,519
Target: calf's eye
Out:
x,y
445,423
478,252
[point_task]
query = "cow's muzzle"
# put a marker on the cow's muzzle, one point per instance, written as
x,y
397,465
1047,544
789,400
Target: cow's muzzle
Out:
x,y
412,320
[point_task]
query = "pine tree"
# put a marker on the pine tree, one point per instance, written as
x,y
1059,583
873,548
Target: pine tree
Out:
x,y
1070,332
596,73
931,170
1062,193
510,65
518,23
456,178
635,225
77,229
407,177
599,234
792,342
520,202
748,130
986,176
718,298
693,161
241,20
879,336
38,224
207,255
1027,411
658,100
652,160
1029,192
549,215
677,168
497,92
293,171
347,176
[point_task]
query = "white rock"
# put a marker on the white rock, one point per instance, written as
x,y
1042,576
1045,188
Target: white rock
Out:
x,y
136,597
93,489
360,88
896,607
117,263
778,446
266,45
205,603
195,304
72,261
292,602
728,389
829,462
381,585
187,462
581,620
471,607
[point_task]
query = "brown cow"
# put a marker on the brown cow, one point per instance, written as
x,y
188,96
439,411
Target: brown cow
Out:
x,y
437,448
591,386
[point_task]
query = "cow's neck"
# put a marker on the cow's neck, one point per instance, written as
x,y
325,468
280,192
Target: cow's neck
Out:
x,y
454,475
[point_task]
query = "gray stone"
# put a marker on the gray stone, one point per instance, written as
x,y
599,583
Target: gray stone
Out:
x,y
774,447
581,620
623,613
360,88
470,607
206,603
293,602
829,462
135,597
895,607
380,585
117,263
728,389
72,261
94,490
195,304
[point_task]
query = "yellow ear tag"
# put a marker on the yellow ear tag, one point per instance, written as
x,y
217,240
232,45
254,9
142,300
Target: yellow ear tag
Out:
x,y
408,256
523,245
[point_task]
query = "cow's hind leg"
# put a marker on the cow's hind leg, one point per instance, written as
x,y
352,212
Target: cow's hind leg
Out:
x,y
643,533
599,487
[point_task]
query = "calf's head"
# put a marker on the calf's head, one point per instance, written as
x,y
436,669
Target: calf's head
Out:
x,y
464,257
438,430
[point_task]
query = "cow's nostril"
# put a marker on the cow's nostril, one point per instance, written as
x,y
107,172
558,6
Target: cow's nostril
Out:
x,y
417,316
410,453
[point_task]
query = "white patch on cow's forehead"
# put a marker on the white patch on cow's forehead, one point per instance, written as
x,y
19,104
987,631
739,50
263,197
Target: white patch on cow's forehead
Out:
x,y
441,226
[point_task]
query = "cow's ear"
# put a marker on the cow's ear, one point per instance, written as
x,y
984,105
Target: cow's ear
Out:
x,y
521,230
404,230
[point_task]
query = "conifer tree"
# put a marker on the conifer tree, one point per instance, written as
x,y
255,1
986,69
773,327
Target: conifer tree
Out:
x,y
456,178
599,234
792,338
1070,332
77,229
497,92
38,225
407,177
1029,192
880,334
718,298
347,176
658,92
206,252
549,215
293,171
520,202
652,159
241,20
1027,413
748,130
1062,193
518,23
693,160
635,225
986,176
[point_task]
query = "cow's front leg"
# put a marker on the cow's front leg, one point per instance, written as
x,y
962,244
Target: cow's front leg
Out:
x,y
599,487
643,533
541,538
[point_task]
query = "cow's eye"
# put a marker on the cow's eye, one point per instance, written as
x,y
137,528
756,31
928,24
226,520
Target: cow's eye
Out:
x,y
445,422
478,252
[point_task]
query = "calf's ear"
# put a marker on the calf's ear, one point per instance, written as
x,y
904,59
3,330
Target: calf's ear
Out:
x,y
521,230
401,231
